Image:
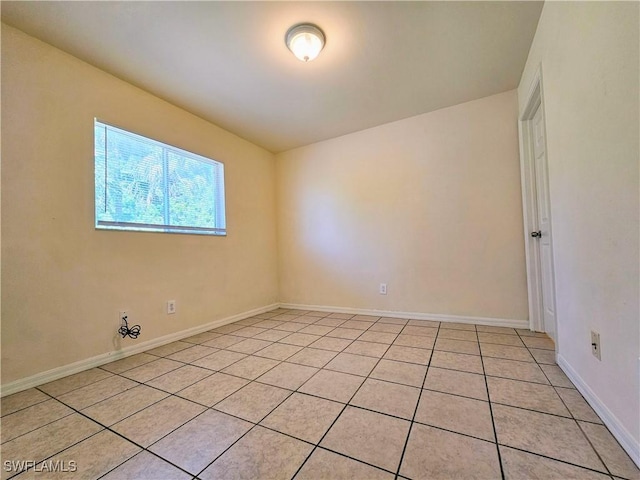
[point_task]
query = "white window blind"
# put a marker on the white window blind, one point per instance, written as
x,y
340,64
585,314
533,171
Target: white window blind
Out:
x,y
145,185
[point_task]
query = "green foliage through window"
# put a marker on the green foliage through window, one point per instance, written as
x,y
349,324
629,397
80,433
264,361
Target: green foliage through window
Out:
x,y
142,184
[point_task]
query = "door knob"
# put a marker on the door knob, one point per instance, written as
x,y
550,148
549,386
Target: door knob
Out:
x,y
537,234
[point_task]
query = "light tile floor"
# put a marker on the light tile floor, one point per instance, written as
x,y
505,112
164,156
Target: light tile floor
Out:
x,y
316,395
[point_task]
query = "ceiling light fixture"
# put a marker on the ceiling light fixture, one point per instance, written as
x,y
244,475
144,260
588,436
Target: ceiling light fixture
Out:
x,y
305,40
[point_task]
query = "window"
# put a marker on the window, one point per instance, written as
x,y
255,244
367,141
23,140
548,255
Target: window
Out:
x,y
145,185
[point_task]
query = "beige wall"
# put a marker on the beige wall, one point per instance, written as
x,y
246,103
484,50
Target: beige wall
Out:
x,y
63,282
589,57
430,205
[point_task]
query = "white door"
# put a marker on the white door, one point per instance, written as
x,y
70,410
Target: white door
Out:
x,y
543,221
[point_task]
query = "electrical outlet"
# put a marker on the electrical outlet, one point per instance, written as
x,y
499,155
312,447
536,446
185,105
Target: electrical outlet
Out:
x,y
171,307
383,289
595,344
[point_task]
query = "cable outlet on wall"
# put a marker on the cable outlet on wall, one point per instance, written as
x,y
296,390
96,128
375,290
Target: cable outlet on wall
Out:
x,y
171,307
383,289
595,344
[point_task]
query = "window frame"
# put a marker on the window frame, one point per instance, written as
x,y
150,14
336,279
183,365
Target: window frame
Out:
x,y
218,200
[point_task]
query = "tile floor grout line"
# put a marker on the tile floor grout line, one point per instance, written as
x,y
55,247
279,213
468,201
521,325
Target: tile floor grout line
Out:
x,y
253,427
149,452
581,429
54,454
153,378
120,464
520,380
317,445
125,370
323,367
347,404
206,408
104,428
213,372
527,409
37,428
38,387
454,394
28,406
175,394
146,449
168,394
250,354
51,397
561,461
570,413
415,411
146,384
493,422
350,458
334,420
108,428
436,427
538,363
110,396
556,392
288,332
257,424
233,363
343,351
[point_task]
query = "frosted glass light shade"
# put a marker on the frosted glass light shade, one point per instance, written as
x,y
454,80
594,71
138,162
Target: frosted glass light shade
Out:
x,y
305,41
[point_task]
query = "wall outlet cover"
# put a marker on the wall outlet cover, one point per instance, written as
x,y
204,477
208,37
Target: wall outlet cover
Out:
x,y
171,307
595,345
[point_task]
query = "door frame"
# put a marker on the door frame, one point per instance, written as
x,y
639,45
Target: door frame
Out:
x,y
534,100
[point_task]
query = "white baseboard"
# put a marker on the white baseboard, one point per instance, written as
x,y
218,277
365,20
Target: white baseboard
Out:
x,y
70,369
494,322
631,445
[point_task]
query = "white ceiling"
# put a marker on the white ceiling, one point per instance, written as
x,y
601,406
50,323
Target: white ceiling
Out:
x,y
227,61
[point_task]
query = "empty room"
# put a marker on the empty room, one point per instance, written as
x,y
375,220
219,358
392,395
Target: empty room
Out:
x,y
320,240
